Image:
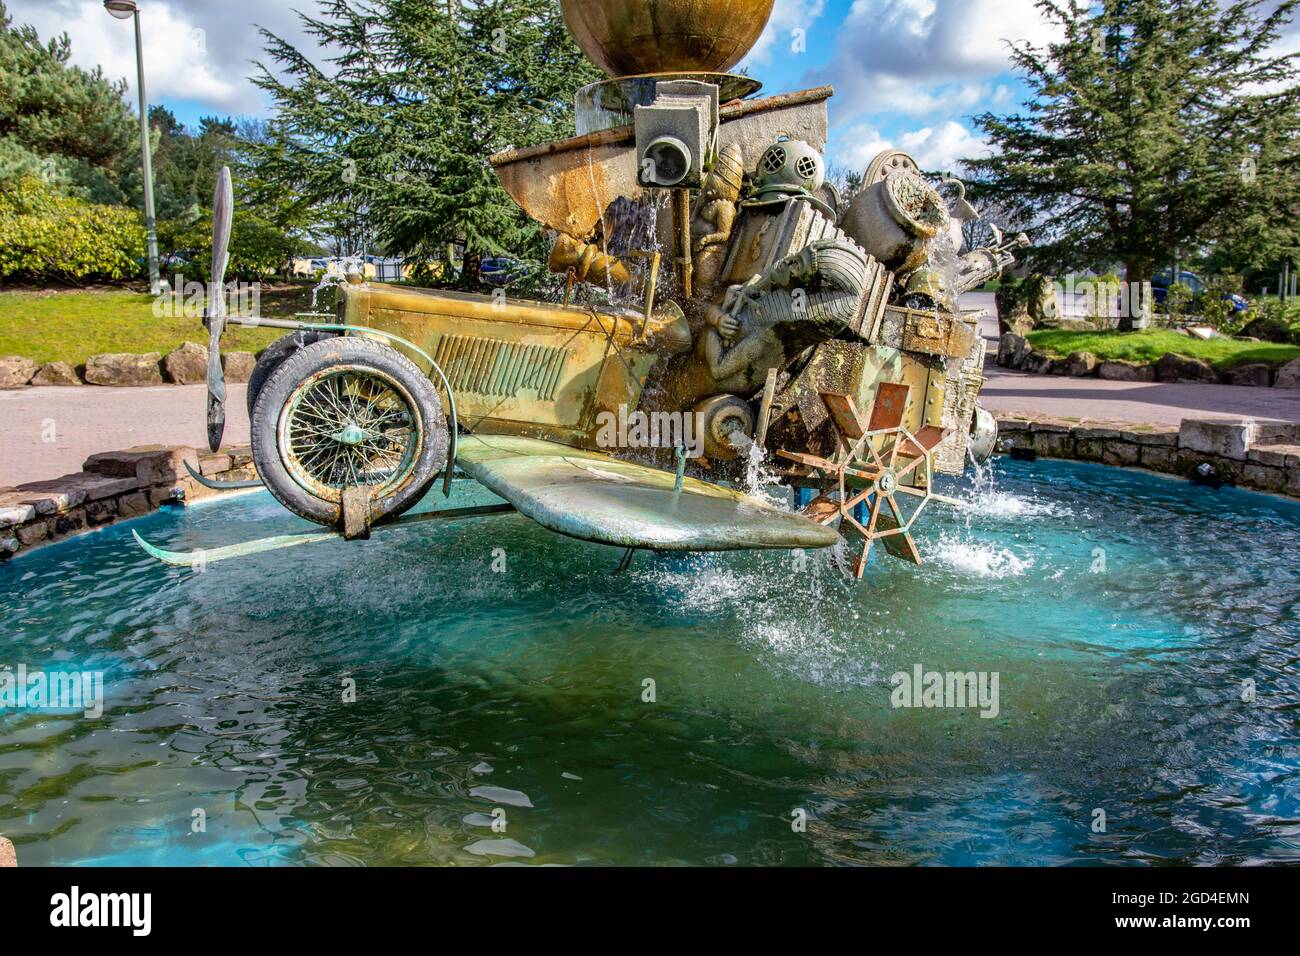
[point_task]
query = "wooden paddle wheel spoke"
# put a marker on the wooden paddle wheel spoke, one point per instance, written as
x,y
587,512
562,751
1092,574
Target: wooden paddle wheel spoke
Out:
x,y
877,458
910,467
822,509
878,462
915,492
882,458
867,535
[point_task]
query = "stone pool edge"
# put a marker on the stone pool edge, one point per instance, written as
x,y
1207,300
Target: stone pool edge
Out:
x,y
112,486
1259,456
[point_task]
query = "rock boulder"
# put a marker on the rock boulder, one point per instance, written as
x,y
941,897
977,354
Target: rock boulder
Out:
x,y
1121,371
57,373
238,366
120,368
16,371
187,364
1254,373
1173,367
1011,349
1288,376
1037,363
1080,363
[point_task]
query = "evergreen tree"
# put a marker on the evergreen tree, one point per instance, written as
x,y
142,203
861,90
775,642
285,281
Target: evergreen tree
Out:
x,y
185,163
63,123
1153,126
391,145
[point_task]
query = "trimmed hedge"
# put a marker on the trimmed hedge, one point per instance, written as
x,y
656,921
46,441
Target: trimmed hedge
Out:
x,y
44,235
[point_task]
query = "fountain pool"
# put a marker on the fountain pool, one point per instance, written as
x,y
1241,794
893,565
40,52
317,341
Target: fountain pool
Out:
x,y
1123,614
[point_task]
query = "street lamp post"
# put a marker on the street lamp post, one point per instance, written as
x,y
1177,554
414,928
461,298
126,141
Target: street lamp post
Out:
x,y
123,9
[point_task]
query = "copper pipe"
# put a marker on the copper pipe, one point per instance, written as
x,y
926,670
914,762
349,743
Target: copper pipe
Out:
x,y
682,221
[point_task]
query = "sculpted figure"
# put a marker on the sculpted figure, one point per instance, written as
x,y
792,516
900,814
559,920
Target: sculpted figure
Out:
x,y
715,218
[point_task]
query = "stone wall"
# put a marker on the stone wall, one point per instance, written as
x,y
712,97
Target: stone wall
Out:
x,y
112,486
187,364
1015,351
1263,456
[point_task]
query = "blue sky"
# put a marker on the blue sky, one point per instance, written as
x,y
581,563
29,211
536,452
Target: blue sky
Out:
x,y
908,73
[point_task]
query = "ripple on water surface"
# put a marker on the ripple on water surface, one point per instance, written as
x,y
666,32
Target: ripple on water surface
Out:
x,y
1123,614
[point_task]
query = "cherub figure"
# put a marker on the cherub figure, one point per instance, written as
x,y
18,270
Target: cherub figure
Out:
x,y
715,217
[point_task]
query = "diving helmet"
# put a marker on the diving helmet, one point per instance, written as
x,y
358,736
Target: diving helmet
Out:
x,y
787,167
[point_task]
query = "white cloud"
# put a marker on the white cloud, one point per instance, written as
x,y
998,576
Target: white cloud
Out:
x,y
940,147
906,55
193,50
787,17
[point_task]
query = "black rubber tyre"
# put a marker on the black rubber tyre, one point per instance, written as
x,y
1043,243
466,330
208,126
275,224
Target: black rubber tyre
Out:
x,y
332,412
272,356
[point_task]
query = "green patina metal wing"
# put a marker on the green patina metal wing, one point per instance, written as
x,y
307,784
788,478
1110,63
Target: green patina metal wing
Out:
x,y
595,497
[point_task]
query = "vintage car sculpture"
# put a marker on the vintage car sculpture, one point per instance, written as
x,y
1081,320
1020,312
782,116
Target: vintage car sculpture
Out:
x,y
733,287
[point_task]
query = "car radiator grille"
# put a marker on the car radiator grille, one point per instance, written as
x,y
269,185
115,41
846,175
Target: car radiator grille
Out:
x,y
499,369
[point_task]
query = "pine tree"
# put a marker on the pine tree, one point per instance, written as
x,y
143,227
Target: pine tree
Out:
x,y
392,142
1153,126
69,125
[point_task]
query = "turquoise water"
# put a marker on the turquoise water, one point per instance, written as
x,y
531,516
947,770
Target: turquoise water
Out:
x,y
516,696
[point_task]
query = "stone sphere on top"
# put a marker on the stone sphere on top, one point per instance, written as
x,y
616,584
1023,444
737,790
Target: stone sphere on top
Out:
x,y
630,37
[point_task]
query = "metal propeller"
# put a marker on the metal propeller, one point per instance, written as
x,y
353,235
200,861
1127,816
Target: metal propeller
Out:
x,y
223,201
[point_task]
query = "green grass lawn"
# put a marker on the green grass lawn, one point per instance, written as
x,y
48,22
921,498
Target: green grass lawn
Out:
x,y
1146,346
48,326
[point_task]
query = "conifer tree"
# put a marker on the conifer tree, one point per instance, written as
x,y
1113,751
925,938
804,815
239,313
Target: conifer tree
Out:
x,y
390,138
1153,126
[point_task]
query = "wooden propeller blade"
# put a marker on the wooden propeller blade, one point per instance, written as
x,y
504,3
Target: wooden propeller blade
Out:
x,y
222,212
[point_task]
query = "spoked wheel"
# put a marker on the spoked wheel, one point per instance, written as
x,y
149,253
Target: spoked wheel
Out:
x,y
346,412
272,357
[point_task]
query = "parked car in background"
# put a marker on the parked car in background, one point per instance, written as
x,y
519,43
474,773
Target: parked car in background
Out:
x,y
1163,279
501,269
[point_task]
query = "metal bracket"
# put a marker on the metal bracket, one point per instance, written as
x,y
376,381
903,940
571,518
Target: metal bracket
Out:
x,y
354,512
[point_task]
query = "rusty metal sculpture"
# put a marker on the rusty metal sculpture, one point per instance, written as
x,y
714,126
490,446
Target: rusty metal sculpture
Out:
x,y
825,339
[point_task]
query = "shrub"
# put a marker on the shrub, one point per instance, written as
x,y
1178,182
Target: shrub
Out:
x,y
1214,305
1178,298
44,235
1273,322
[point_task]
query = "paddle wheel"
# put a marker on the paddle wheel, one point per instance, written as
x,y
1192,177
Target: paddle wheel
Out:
x,y
878,460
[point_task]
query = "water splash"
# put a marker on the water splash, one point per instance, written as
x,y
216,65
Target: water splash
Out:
x,y
964,554
965,551
347,265
794,611
986,500
759,481
942,258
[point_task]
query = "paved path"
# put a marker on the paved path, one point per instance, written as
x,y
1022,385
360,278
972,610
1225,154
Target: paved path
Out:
x,y
1150,402
1156,403
48,432
82,421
